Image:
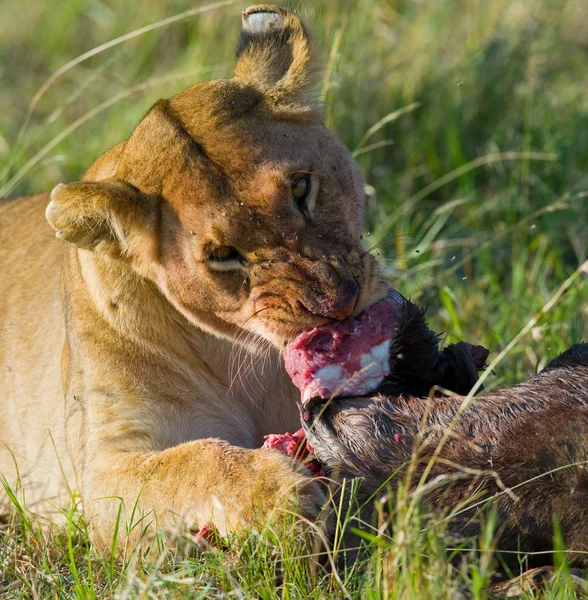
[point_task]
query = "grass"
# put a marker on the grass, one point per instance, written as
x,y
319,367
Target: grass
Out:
x,y
469,119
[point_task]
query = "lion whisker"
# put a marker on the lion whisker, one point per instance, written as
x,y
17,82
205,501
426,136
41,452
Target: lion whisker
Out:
x,y
387,241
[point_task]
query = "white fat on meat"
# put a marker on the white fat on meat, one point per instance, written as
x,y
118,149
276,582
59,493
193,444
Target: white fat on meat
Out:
x,y
374,368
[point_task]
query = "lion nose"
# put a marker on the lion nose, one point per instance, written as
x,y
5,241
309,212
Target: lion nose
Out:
x,y
343,311
341,307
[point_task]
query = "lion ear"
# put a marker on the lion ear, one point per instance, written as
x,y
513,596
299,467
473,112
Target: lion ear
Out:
x,y
275,54
100,216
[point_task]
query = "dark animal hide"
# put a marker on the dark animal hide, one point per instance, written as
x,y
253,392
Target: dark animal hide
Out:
x,y
526,446
417,364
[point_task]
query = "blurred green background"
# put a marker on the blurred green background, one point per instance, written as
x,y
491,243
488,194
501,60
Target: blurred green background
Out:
x,y
469,119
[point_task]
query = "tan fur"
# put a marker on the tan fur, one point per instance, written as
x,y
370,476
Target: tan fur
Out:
x,y
154,373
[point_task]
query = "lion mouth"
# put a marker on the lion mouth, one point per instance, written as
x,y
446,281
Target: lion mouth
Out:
x,y
346,358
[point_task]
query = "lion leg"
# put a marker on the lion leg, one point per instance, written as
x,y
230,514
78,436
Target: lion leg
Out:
x,y
184,487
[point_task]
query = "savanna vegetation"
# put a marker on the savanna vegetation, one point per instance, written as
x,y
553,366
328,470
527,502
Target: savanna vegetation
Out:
x,y
469,119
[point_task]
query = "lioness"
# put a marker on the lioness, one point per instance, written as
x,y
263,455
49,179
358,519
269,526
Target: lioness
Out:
x,y
227,223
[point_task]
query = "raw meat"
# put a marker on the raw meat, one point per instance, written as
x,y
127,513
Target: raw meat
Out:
x,y
206,536
414,366
349,357
296,446
292,444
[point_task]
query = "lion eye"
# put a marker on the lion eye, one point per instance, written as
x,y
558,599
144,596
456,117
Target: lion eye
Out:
x,y
224,254
300,191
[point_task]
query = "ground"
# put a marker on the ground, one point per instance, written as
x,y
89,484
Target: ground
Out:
x,y
470,121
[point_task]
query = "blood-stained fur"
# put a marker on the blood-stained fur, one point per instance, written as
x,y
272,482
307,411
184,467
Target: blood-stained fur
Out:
x,y
525,446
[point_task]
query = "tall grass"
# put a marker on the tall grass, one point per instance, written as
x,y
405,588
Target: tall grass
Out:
x,y
469,119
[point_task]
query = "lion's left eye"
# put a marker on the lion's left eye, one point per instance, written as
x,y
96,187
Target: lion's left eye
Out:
x,y
224,254
300,191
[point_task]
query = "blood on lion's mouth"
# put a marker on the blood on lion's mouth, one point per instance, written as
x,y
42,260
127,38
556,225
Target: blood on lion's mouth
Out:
x,y
346,358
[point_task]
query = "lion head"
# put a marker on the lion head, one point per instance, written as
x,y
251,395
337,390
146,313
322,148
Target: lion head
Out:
x,y
233,198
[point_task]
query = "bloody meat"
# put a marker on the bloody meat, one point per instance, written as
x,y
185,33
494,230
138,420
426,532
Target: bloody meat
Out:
x,y
349,357
413,363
